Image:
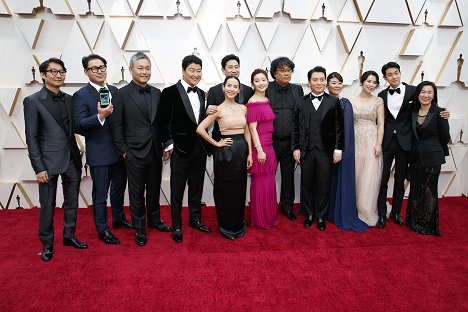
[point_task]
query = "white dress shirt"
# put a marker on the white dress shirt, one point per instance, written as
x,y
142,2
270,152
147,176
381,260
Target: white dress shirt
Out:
x,y
395,100
194,100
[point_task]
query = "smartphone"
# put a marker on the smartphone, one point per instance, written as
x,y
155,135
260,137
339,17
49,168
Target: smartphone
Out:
x,y
104,97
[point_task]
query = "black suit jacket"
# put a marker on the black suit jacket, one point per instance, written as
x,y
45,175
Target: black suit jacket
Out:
x,y
432,145
178,120
51,144
100,149
134,131
331,126
401,125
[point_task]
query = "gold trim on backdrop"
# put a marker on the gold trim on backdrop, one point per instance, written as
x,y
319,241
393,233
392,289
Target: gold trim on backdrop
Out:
x,y
447,58
25,195
13,105
449,185
418,67
19,135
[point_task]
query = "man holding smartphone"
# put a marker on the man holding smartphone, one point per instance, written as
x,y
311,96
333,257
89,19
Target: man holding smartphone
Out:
x,y
92,109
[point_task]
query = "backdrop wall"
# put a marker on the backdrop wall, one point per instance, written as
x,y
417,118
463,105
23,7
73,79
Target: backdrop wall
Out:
x,y
426,37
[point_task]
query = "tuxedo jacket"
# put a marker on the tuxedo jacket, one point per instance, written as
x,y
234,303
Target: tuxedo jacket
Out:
x,y
216,95
331,125
401,125
134,131
100,149
178,119
51,143
432,145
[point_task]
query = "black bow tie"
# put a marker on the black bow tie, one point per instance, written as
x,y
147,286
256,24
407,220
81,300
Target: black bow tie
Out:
x,y
192,89
58,97
392,91
283,89
312,97
146,88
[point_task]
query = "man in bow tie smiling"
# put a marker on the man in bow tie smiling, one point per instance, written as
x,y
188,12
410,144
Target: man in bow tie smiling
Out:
x,y
182,109
317,143
138,138
53,152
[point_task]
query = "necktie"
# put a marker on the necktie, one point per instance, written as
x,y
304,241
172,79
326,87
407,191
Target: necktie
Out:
x,y
192,89
146,88
312,97
392,91
58,97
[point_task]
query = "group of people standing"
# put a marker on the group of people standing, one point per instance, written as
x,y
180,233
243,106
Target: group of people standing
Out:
x,y
345,148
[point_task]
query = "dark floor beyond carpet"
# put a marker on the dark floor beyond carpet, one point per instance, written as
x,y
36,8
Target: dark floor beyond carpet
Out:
x,y
288,268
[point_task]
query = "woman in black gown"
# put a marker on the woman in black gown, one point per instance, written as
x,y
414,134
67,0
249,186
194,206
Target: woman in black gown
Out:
x,y
232,157
430,138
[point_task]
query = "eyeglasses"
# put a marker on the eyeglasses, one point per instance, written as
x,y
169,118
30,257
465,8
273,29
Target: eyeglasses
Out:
x,y
55,72
95,69
284,70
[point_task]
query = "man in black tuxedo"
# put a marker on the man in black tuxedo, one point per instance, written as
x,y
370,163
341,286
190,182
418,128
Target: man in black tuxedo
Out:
x,y
283,95
183,108
53,152
397,140
106,165
230,65
317,142
137,137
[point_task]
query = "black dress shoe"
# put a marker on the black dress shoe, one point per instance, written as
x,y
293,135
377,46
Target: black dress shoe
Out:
x,y
381,222
396,217
161,227
321,225
47,253
199,226
122,224
290,215
140,238
107,237
177,236
74,242
308,221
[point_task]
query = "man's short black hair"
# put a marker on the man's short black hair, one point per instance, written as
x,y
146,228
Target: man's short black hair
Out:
x,y
316,69
390,65
85,60
227,58
191,59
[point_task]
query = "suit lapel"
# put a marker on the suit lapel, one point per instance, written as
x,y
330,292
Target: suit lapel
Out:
x,y
201,98
306,109
186,101
154,103
142,106
52,109
385,101
69,105
405,103
414,120
94,93
324,105
429,116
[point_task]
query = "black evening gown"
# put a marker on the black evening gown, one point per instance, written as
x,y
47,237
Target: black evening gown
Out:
x,y
422,214
230,185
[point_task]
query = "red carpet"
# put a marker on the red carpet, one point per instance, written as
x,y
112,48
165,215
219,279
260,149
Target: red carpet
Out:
x,y
289,268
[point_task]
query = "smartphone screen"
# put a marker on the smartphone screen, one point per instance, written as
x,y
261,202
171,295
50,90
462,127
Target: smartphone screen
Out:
x,y
104,97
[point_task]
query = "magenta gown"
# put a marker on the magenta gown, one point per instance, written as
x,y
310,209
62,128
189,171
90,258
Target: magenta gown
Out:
x,y
263,181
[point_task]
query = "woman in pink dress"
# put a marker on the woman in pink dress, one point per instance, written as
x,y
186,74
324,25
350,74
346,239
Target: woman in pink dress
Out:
x,y
263,182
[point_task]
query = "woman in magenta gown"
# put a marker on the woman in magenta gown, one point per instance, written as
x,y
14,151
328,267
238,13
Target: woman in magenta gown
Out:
x,y
263,181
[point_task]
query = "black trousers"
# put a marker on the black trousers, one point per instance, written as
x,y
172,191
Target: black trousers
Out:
x,y
316,169
115,177
47,199
187,171
286,161
393,151
144,175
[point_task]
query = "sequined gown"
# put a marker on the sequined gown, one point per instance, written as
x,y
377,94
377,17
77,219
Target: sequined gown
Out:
x,y
263,182
368,167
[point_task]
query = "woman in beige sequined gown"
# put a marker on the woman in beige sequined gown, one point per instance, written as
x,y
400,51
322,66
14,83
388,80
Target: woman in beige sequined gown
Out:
x,y
368,132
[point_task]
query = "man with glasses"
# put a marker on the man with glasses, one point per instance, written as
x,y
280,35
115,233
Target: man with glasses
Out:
x,y
282,95
106,165
53,152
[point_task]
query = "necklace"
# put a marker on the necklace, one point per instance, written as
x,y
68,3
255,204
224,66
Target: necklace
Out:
x,y
232,107
422,115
